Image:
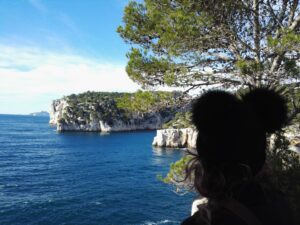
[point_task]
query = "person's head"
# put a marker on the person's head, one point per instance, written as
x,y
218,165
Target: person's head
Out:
x,y
231,142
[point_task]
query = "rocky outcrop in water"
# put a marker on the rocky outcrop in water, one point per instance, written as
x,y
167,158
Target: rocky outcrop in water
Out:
x,y
187,137
176,138
96,111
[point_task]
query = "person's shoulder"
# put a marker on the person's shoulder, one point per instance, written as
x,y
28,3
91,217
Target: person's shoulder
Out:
x,y
279,208
195,219
219,217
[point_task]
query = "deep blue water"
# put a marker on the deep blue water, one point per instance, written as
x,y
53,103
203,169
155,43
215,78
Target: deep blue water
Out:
x,y
83,178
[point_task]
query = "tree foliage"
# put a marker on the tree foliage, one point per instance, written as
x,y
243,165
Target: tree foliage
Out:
x,y
191,43
181,120
146,101
227,43
194,43
176,175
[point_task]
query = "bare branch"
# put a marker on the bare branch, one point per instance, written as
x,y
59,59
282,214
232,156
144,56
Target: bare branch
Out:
x,y
194,86
283,11
274,15
295,24
292,12
256,30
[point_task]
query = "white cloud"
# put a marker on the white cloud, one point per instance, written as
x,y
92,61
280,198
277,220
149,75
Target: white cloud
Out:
x,y
37,76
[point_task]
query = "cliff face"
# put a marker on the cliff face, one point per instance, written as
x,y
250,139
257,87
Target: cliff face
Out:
x,y
57,108
176,138
152,122
102,115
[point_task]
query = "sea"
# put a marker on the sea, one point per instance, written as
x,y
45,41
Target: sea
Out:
x,y
87,178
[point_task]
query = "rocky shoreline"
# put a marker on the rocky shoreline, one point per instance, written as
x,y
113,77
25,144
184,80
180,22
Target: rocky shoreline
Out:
x,y
104,118
176,138
187,137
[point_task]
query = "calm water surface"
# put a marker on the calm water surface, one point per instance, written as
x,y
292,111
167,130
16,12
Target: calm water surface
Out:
x,y
83,178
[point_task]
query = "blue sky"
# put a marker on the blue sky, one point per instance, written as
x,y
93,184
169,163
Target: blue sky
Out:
x,y
86,27
51,48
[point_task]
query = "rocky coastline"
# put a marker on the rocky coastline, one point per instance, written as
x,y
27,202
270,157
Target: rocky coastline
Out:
x,y
104,116
187,137
69,114
176,138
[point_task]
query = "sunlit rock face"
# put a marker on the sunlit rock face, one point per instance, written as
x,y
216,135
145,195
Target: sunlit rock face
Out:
x,y
57,108
292,134
176,138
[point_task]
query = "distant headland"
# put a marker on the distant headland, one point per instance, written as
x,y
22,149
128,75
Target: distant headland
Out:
x,y
40,114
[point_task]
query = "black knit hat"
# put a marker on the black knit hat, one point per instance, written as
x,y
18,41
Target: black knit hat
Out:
x,y
232,130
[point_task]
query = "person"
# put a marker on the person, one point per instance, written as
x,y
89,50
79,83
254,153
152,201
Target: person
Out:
x,y
229,165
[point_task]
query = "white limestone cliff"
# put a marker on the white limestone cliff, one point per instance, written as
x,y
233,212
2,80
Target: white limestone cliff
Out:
x,y
187,137
57,109
176,138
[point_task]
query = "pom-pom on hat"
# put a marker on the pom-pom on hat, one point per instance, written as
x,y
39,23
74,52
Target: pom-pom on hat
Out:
x,y
232,130
269,107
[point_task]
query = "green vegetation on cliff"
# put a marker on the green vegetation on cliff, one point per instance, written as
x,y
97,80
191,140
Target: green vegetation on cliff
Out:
x,y
146,101
84,107
181,120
